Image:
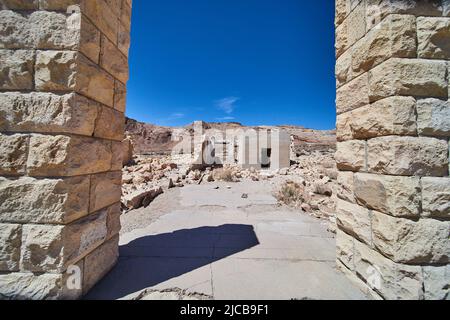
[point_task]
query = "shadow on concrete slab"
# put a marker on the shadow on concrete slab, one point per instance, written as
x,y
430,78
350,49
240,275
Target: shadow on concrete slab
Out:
x,y
150,260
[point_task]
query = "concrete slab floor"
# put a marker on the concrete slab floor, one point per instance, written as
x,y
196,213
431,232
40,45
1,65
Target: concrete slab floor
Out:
x,y
215,243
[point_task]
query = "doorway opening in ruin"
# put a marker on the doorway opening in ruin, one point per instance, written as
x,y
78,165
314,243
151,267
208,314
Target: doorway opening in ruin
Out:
x,y
266,154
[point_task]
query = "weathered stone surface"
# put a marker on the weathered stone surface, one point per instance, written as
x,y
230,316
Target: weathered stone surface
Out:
x,y
141,198
106,189
113,60
411,242
393,195
56,70
29,200
345,249
354,220
95,83
10,240
98,263
353,95
408,77
356,22
117,160
433,117
395,36
113,220
391,280
436,282
346,187
47,112
408,156
29,286
350,155
110,124
52,249
343,69
84,235
436,197
102,14
54,156
433,35
16,69
120,100
13,154
127,151
89,40
389,116
377,10
124,39
42,248
341,11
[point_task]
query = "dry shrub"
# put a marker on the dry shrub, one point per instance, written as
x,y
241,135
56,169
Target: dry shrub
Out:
x,y
291,193
224,174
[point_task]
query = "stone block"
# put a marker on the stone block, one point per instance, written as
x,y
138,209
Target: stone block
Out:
x,y
433,117
408,77
436,197
433,35
377,10
395,36
350,155
52,201
51,248
117,156
389,116
106,189
110,124
346,187
436,282
100,262
89,40
29,286
10,241
47,113
56,70
408,156
113,60
393,195
120,92
16,69
345,249
354,220
353,95
425,241
13,154
102,15
95,83
55,156
393,281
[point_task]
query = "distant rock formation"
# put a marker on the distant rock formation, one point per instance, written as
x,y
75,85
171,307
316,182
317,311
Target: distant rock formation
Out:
x,y
154,139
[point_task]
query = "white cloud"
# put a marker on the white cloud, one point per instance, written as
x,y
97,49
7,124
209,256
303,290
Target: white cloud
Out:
x,y
227,104
225,118
177,115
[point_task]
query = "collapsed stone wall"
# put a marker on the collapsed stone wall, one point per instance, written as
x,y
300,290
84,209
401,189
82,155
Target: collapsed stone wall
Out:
x,y
63,74
393,129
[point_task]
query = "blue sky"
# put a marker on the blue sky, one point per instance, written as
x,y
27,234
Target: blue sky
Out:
x,y
258,62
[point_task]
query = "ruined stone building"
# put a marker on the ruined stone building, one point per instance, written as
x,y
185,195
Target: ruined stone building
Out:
x,y
63,77
260,149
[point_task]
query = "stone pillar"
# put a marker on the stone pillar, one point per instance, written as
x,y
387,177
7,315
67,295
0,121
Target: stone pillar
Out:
x,y
63,70
393,129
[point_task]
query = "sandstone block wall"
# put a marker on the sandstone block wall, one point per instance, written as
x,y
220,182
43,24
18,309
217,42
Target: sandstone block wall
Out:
x,y
63,74
393,127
